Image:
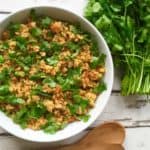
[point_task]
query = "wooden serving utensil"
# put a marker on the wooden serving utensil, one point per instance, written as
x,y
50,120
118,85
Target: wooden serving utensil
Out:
x,y
108,136
108,132
96,146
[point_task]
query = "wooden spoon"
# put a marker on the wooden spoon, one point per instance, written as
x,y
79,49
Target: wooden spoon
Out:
x,y
108,136
109,132
94,146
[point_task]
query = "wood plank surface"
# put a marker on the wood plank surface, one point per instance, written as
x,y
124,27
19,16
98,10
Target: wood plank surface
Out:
x,y
11,6
138,142
132,112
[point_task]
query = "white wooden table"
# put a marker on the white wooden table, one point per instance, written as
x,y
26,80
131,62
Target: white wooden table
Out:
x,y
133,112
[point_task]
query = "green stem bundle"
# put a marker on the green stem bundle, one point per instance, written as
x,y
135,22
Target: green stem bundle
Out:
x,y
125,25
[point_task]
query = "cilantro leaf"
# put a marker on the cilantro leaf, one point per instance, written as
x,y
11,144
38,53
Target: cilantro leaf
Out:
x,y
4,46
1,59
98,61
45,46
53,60
72,46
36,111
38,75
73,108
4,89
50,82
38,91
14,100
84,118
81,101
21,42
100,88
46,22
36,32
13,27
55,46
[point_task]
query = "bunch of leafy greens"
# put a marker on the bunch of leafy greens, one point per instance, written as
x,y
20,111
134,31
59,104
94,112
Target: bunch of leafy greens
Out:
x,y
125,25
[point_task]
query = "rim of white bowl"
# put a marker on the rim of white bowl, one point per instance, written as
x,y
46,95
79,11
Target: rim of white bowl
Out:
x,y
93,118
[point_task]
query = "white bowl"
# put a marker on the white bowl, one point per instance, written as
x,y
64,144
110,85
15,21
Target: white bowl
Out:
x,y
76,127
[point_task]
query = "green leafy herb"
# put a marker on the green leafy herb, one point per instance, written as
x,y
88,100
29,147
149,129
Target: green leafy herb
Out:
x,y
52,127
21,42
1,59
73,108
83,103
100,88
96,7
11,99
67,84
125,25
21,117
36,111
46,22
14,100
36,32
33,111
98,61
53,60
55,46
19,73
103,22
85,118
38,91
50,82
75,29
37,76
45,46
71,81
79,102
28,60
72,46
13,27
33,15
4,89
4,46
5,75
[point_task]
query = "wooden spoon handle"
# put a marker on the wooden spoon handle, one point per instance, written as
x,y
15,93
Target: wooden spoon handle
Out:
x,y
93,147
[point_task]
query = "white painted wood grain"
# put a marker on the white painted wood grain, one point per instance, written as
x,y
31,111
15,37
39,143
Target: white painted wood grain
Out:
x,y
11,6
76,6
15,143
2,131
131,111
136,139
